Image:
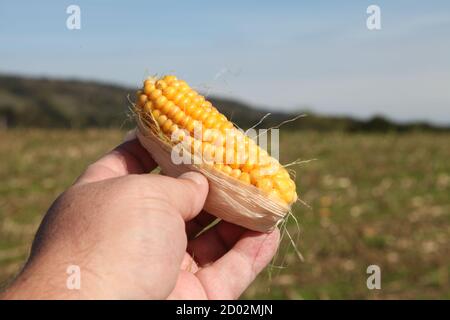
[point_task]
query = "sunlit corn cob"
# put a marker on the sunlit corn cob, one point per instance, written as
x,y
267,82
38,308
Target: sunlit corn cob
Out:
x,y
177,108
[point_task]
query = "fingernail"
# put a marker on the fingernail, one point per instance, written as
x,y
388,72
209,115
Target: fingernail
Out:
x,y
130,135
193,176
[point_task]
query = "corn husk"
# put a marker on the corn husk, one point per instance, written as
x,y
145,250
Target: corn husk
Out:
x,y
228,199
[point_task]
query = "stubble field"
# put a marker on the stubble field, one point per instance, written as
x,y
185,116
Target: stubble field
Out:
x,y
380,199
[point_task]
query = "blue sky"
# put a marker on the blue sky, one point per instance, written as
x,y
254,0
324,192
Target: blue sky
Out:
x,y
284,55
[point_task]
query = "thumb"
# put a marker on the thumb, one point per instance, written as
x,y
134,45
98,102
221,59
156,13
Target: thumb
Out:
x,y
186,194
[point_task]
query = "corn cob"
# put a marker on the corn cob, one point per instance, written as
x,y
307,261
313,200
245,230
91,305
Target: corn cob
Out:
x,y
173,109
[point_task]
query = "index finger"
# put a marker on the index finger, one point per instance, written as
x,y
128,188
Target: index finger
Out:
x,y
229,276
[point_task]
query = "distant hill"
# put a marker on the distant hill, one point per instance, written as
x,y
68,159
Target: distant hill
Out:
x,y
51,103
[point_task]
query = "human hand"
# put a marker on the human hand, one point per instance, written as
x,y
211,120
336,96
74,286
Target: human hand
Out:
x,y
133,235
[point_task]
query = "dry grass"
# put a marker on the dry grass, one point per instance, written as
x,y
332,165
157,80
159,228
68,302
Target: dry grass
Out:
x,y
376,199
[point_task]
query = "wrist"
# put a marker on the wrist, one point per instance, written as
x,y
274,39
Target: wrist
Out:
x,y
59,281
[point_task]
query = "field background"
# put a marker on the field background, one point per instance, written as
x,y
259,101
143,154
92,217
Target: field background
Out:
x,y
376,198
371,80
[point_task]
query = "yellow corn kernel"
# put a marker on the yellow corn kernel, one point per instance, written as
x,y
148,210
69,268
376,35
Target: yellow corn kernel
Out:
x,y
208,135
219,155
178,116
167,106
248,166
284,184
161,119
226,126
190,125
178,97
178,134
255,176
275,195
160,102
169,92
289,196
161,84
196,112
191,94
206,104
198,100
245,177
184,102
156,113
167,125
223,118
149,87
149,82
173,128
268,169
227,170
203,116
148,107
183,88
184,121
189,107
208,151
175,84
142,99
235,164
235,173
282,173
155,94
196,146
170,79
210,121
265,184
172,109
